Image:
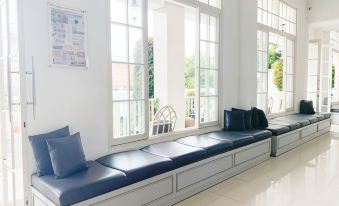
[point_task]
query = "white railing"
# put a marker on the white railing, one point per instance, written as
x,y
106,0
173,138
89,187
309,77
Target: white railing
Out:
x,y
189,107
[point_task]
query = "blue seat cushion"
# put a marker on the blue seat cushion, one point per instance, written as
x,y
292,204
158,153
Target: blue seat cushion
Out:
x,y
211,145
304,122
326,115
291,124
309,117
94,181
180,154
238,140
278,129
258,134
137,165
320,117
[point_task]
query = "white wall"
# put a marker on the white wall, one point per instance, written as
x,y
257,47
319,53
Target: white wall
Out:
x,y
323,10
79,98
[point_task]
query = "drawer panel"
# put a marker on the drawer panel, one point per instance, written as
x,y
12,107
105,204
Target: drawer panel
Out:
x,y
308,131
38,202
143,195
286,140
201,172
251,153
324,125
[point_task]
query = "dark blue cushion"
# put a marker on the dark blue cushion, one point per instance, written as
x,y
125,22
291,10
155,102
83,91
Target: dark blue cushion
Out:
x,y
248,117
288,123
180,154
137,165
67,155
263,122
320,117
326,115
40,150
238,140
308,117
277,129
304,122
234,120
306,107
255,118
94,181
258,134
211,145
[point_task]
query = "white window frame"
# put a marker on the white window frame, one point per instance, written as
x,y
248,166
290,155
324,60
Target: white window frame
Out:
x,y
201,7
269,29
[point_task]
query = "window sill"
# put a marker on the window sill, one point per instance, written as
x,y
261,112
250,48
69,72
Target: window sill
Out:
x,y
161,138
275,115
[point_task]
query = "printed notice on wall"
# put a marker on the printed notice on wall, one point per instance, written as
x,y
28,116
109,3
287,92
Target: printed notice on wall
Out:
x,y
68,37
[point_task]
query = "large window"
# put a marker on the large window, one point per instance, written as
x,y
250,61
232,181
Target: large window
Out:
x,y
169,64
275,56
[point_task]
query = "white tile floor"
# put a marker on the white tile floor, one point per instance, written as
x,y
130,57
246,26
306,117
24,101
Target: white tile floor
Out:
x,y
306,176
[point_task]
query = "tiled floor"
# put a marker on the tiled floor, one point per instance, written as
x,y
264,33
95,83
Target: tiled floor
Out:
x,y
306,176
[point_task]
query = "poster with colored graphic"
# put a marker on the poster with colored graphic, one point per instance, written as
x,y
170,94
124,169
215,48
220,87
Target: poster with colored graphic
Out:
x,y
68,37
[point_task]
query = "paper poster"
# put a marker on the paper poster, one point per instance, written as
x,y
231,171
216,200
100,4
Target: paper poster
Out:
x,y
68,37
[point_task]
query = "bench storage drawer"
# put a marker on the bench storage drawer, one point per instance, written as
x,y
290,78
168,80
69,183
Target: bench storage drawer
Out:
x,y
309,130
286,140
324,125
251,153
154,191
204,171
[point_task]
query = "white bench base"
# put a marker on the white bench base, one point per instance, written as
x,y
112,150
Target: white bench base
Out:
x,y
174,186
288,141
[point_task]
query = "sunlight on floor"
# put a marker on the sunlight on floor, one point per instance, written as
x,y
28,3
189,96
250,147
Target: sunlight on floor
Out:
x,y
308,175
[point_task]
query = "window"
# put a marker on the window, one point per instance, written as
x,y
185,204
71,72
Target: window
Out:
x,y
275,56
169,64
128,68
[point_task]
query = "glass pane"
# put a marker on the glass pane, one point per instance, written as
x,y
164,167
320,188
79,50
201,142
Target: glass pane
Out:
x,y
204,82
290,48
137,82
119,43
313,51
289,83
289,100
212,109
213,82
264,17
135,12
204,27
290,65
260,3
265,64
259,40
120,119
137,117
120,82
264,4
118,11
275,21
213,56
259,18
312,67
259,62
312,83
203,109
204,61
276,7
213,28
136,54
15,88
259,82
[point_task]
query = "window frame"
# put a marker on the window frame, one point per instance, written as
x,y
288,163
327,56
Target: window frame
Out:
x,y
268,29
201,7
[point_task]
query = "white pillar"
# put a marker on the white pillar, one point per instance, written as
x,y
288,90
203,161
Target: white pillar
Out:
x,y
169,59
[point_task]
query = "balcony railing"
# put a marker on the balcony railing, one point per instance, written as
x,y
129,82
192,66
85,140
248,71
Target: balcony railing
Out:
x,y
189,107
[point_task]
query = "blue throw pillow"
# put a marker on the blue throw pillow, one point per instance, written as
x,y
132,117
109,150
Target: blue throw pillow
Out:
x,y
248,117
40,149
67,155
234,120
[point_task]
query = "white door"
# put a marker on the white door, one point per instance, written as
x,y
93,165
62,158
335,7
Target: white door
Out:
x,y
314,54
11,104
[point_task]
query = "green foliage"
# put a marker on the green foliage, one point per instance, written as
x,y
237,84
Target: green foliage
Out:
x,y
190,72
278,73
274,55
333,76
151,68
